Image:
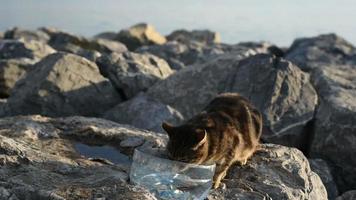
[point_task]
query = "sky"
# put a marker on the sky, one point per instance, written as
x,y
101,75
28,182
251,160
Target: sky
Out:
x,y
276,21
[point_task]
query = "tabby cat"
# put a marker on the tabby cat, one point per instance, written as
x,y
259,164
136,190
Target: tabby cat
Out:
x,y
227,131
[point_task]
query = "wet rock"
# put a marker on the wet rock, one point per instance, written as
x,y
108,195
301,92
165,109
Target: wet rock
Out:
x,y
349,195
144,112
106,35
321,168
278,88
203,36
335,130
140,35
11,71
60,85
274,172
15,49
327,49
131,73
35,165
27,35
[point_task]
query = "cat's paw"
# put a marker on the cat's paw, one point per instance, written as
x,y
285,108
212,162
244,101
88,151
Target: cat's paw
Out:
x,y
243,162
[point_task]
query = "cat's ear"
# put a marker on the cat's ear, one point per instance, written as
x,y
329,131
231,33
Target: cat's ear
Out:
x,y
168,128
201,137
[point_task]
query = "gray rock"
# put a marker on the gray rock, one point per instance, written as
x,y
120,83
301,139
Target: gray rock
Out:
x,y
327,49
278,88
131,73
335,129
140,35
274,172
349,195
90,49
37,166
144,112
179,55
60,85
1,35
321,168
106,35
203,36
11,71
15,49
27,35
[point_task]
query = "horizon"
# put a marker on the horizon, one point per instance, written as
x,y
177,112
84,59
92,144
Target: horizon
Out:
x,y
235,21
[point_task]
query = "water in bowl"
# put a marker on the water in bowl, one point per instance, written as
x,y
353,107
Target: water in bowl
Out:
x,y
168,179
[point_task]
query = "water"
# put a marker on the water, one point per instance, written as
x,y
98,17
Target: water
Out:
x,y
171,180
277,21
106,152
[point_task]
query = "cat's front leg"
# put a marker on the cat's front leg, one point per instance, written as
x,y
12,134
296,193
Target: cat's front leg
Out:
x,y
220,173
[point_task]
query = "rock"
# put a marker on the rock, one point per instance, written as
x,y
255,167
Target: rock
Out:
x,y
203,36
279,89
15,49
144,112
106,35
349,195
274,172
27,35
36,165
1,35
90,49
131,73
321,168
11,71
335,131
179,55
326,49
62,84
140,35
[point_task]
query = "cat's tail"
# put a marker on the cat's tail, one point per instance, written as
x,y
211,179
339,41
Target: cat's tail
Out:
x,y
252,124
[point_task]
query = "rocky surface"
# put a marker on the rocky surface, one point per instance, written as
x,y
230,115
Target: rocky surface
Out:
x,y
335,129
106,35
60,85
39,158
136,111
274,172
27,35
15,49
349,195
203,36
326,49
140,35
132,73
322,168
278,88
12,70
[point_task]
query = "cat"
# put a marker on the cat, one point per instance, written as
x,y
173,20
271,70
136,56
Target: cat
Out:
x,y
226,131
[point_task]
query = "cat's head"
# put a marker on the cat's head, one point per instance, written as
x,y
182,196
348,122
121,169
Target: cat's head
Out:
x,y
187,143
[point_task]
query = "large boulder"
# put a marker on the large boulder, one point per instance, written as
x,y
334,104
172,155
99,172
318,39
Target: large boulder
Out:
x,y
327,49
139,35
274,172
44,158
32,49
18,33
106,35
279,89
60,85
321,167
144,112
90,158
12,70
132,73
335,129
203,36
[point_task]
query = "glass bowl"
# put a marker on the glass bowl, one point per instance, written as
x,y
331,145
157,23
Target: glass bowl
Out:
x,y
168,179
